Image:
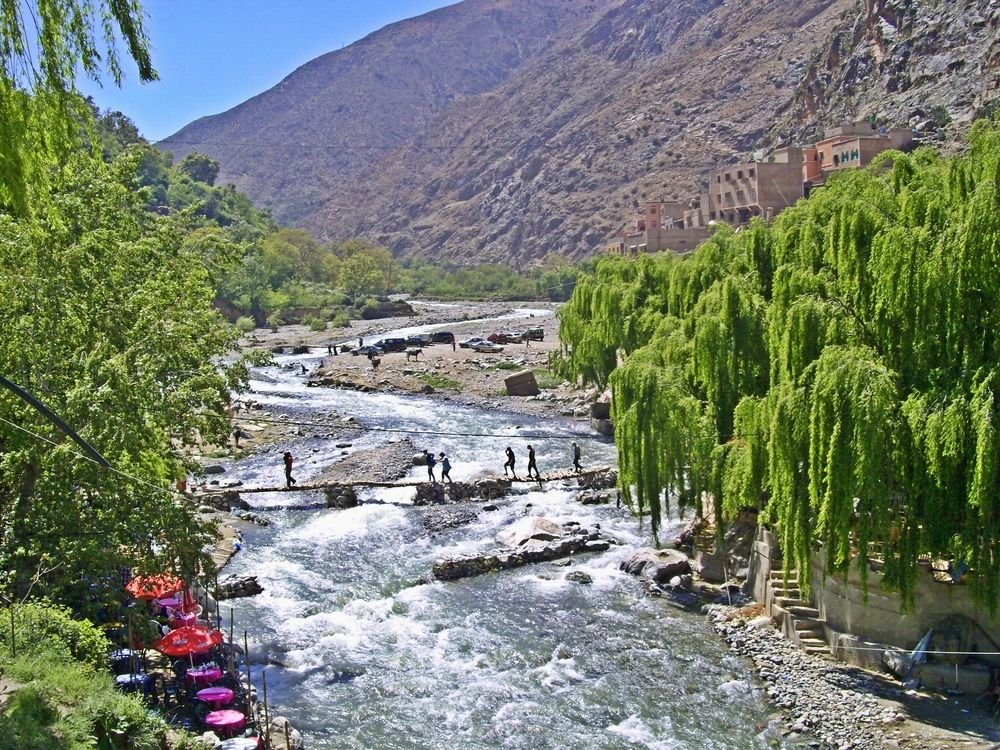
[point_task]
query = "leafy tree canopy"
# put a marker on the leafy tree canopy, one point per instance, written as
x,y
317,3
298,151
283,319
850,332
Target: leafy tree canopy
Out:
x,y
42,46
839,368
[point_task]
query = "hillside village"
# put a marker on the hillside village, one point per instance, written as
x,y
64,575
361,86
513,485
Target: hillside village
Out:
x,y
759,187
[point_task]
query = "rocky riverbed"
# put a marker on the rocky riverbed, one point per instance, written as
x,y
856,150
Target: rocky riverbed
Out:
x,y
828,704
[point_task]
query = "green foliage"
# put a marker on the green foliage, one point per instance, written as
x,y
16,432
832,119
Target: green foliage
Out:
x,y
199,168
244,324
109,320
837,368
62,705
43,628
437,380
361,276
546,380
43,46
315,323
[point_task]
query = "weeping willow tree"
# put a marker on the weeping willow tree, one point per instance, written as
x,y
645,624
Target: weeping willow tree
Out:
x,y
838,368
43,46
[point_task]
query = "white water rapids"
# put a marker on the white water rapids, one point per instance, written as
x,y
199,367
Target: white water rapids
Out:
x,y
365,651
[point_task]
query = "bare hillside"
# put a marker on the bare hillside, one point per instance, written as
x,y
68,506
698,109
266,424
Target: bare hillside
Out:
x,y
508,129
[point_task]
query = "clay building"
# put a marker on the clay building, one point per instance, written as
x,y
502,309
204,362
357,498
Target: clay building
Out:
x,y
849,147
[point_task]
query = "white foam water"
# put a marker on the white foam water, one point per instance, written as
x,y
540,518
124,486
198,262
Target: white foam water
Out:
x,y
364,650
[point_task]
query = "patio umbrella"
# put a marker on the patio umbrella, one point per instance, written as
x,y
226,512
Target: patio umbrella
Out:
x,y
154,587
189,640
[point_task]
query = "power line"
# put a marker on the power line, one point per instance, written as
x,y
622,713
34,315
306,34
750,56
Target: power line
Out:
x,y
85,457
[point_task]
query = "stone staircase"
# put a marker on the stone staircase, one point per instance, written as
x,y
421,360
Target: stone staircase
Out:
x,y
801,621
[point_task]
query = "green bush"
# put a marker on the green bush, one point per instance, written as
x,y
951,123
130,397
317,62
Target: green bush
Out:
x,y
340,320
61,705
315,323
40,628
245,324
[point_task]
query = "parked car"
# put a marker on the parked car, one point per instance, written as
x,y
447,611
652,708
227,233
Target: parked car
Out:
x,y
469,343
443,337
392,345
505,337
533,334
487,346
368,349
419,339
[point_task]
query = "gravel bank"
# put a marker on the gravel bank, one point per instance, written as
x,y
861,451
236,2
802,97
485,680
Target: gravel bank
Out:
x,y
828,704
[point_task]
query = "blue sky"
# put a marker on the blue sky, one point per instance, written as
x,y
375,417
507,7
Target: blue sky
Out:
x,y
211,55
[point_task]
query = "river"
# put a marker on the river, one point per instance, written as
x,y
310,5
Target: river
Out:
x,y
365,651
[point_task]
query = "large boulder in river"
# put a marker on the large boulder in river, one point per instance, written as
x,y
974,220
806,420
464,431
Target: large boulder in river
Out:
x,y
531,530
657,565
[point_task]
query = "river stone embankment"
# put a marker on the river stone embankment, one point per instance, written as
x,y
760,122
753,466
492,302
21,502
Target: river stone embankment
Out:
x,y
825,704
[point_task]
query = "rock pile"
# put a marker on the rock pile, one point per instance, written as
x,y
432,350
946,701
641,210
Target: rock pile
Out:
x,y
236,587
441,493
824,701
537,540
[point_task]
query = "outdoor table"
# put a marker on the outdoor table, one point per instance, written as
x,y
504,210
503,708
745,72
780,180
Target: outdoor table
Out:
x,y
241,743
135,681
226,722
216,697
181,619
204,675
168,602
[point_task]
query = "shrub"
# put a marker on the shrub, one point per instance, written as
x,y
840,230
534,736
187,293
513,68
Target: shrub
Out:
x,y
315,323
245,324
43,628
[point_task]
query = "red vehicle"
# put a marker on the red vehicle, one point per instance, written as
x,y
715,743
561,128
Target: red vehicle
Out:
x,y
505,337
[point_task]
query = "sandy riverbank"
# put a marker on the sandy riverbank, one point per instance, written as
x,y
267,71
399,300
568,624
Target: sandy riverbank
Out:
x,y
443,371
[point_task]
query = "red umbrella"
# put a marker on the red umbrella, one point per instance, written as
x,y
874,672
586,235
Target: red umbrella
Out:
x,y
191,639
154,587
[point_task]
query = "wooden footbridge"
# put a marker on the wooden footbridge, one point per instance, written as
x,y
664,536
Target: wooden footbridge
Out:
x,y
557,476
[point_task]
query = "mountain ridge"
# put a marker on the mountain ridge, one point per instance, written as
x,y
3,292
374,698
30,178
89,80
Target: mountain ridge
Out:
x,y
504,130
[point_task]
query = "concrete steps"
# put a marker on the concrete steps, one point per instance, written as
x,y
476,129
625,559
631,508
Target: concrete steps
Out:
x,y
801,622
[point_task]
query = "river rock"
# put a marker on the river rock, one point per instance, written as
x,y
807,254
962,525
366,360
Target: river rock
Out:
x,y
579,577
236,587
341,496
214,469
284,735
657,565
574,540
528,530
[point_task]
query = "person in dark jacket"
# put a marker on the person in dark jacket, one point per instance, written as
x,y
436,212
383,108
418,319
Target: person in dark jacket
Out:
x,y
510,462
532,466
445,467
430,465
576,457
289,480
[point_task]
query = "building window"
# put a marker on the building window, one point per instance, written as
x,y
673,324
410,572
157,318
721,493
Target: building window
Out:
x,y
718,178
741,197
739,175
753,194
750,172
728,177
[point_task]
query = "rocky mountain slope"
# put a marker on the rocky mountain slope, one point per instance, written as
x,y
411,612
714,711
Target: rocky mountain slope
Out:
x,y
508,129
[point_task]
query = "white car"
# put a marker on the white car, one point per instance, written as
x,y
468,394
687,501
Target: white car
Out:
x,y
469,343
487,346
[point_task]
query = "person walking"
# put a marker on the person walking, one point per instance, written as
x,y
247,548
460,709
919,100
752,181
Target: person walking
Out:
x,y
576,458
430,465
532,466
510,463
445,467
289,479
